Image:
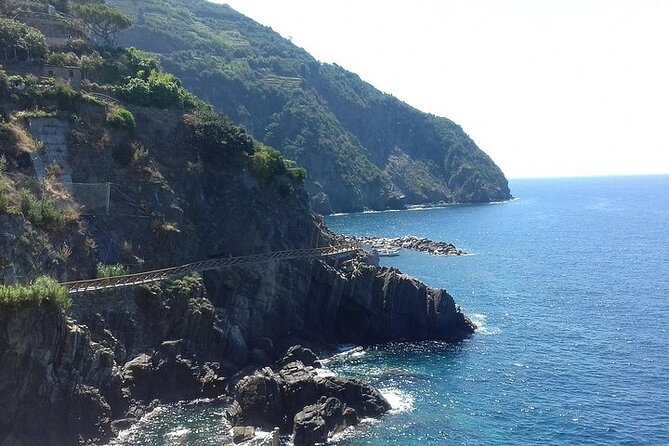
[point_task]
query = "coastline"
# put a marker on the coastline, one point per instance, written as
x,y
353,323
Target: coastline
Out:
x,y
422,207
412,242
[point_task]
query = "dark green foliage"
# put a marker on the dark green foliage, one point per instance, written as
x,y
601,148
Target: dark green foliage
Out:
x,y
42,289
120,118
26,40
4,82
216,137
348,134
137,77
66,97
104,20
5,183
68,59
115,65
156,89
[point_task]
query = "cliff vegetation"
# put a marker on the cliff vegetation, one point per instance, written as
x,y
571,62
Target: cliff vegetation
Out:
x,y
363,149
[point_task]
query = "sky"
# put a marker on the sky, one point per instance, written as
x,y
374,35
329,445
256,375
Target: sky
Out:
x,y
548,88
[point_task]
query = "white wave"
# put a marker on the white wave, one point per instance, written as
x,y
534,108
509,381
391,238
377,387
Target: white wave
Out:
x,y
342,435
178,433
480,321
324,372
261,438
198,401
126,436
346,351
399,400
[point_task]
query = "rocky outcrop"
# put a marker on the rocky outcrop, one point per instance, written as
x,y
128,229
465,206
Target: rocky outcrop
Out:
x,y
265,309
296,399
60,381
412,242
53,379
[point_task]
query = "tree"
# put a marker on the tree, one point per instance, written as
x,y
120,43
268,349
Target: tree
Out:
x,y
21,41
103,20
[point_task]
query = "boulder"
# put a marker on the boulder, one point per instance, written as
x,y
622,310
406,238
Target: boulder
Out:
x,y
313,423
298,353
297,399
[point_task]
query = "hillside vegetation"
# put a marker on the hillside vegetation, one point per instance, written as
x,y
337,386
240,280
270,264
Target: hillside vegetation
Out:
x,y
135,127
362,148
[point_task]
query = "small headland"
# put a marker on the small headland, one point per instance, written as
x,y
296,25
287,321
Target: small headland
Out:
x,y
411,242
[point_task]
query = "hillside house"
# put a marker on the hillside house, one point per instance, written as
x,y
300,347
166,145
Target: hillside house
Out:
x,y
72,75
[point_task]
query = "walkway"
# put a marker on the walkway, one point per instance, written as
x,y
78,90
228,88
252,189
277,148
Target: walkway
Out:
x,y
105,283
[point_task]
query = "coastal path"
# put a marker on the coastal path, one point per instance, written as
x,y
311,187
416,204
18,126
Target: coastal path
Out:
x,y
126,280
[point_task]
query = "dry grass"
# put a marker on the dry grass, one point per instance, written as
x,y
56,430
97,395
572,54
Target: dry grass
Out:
x,y
21,139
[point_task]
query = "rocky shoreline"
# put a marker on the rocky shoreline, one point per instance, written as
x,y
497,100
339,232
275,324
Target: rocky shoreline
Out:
x,y
292,397
414,243
82,377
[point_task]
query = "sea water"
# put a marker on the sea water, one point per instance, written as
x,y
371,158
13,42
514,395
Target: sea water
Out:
x,y
569,286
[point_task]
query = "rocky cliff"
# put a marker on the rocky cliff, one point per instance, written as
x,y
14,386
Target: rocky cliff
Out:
x,y
63,379
52,377
186,186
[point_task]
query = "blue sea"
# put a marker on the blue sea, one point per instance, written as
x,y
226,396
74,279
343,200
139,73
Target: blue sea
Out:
x,y
569,285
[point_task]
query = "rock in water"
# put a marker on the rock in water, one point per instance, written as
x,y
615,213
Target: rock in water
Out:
x,y
297,399
299,353
313,423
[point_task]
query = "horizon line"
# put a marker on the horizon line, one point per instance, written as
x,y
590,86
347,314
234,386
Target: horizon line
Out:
x,y
594,175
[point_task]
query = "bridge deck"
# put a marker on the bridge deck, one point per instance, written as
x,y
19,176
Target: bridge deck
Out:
x,y
104,283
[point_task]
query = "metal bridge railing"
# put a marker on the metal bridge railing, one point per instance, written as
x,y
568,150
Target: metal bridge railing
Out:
x,y
104,283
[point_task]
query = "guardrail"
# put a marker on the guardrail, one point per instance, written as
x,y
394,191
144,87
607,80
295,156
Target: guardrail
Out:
x,y
104,283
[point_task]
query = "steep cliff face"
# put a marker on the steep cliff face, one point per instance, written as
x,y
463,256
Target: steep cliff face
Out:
x,y
67,380
362,148
51,379
321,302
249,316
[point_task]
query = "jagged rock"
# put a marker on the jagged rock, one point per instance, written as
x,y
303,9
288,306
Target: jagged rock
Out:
x,y
296,398
313,423
50,376
169,376
298,353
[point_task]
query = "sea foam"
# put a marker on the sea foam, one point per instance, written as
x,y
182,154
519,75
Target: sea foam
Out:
x,y
399,400
481,327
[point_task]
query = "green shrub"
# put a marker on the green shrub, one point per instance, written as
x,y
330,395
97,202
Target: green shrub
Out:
x,y
40,290
216,137
64,94
120,118
63,59
43,213
297,174
267,163
113,270
6,187
4,82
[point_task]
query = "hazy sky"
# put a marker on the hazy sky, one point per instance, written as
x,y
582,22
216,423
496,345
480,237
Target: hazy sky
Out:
x,y
545,87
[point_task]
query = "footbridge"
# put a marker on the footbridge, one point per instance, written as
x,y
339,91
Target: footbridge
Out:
x,y
126,280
